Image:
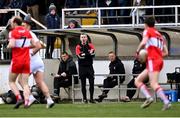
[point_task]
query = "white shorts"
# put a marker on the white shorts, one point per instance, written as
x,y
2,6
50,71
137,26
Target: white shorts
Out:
x,y
36,64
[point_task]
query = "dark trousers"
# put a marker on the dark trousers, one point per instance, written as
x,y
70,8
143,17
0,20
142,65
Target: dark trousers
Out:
x,y
73,3
109,83
130,93
60,82
131,84
50,45
87,72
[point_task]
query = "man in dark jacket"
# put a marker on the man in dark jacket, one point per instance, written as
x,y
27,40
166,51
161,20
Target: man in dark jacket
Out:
x,y
115,67
138,67
63,78
52,22
85,52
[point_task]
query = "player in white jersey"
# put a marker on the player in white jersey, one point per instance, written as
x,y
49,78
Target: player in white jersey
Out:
x,y
37,67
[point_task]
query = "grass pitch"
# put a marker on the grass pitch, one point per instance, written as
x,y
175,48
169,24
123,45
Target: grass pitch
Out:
x,y
91,110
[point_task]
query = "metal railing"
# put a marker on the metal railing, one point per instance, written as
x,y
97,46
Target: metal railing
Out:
x,y
17,12
134,15
120,86
75,88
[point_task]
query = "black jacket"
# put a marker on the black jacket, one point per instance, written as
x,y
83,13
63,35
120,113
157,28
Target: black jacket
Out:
x,y
69,67
86,60
117,67
138,67
52,21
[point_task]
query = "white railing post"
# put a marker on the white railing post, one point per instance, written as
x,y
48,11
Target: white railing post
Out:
x,y
137,17
34,20
176,15
119,92
99,17
63,18
15,12
133,19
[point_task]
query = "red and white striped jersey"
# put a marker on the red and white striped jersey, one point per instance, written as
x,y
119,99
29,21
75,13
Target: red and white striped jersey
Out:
x,y
22,37
154,43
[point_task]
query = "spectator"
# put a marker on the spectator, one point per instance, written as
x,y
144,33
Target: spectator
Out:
x,y
73,24
137,68
63,78
3,17
53,22
60,4
33,8
85,52
4,35
111,13
90,3
115,67
72,40
2,3
72,4
19,4
123,12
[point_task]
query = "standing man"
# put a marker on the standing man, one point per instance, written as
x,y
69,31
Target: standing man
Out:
x,y
156,48
85,52
115,67
20,40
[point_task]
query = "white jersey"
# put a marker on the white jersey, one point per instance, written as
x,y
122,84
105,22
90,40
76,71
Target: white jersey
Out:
x,y
36,61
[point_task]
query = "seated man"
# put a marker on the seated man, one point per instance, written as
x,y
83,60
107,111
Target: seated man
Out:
x,y
137,68
115,67
63,78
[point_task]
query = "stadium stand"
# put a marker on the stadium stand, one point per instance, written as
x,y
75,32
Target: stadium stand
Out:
x,y
121,38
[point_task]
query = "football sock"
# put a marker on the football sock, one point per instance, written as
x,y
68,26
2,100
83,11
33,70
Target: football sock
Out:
x,y
161,94
18,97
145,91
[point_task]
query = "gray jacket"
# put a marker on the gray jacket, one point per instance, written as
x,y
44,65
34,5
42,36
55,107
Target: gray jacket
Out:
x,y
4,36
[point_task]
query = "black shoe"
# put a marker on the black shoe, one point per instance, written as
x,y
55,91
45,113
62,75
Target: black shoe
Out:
x,y
92,101
18,103
85,101
55,95
103,96
99,100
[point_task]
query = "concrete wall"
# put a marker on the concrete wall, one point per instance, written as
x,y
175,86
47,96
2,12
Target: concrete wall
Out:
x,y
101,67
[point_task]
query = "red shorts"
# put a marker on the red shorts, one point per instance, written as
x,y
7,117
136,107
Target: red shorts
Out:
x,y
154,65
23,67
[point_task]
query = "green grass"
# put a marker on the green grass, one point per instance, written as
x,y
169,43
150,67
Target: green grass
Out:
x,y
91,110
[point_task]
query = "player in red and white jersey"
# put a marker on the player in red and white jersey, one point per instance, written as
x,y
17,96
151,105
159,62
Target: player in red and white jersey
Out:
x,y
156,48
37,66
20,40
